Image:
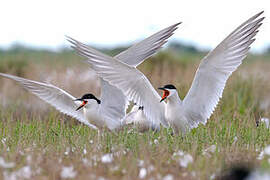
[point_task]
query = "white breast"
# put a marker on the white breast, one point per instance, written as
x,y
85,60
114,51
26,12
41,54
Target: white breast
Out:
x,y
91,113
174,114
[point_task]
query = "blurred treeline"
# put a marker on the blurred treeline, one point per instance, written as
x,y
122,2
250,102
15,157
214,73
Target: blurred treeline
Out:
x,y
17,57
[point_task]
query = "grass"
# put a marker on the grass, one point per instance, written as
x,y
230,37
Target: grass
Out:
x,y
34,135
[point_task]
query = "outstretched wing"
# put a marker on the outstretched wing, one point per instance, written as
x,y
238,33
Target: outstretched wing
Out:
x,y
215,69
53,95
137,53
113,104
131,81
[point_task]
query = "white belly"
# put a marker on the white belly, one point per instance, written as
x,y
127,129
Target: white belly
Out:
x,y
143,123
94,117
176,118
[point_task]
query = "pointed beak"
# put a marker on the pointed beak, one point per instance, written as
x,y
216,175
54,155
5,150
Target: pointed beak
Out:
x,y
166,93
82,105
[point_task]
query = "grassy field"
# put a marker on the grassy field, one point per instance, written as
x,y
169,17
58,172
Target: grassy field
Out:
x,y
37,142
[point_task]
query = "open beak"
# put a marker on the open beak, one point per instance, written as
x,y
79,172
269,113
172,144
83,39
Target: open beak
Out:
x,y
166,93
82,105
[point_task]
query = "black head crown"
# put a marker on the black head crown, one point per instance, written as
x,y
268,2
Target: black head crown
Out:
x,y
90,96
169,86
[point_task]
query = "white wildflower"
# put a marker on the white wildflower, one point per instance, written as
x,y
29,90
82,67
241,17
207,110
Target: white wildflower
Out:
x,y
107,158
73,149
140,163
4,164
155,141
68,172
235,140
178,153
84,151
213,176
256,175
261,155
124,171
24,172
168,177
210,149
265,121
185,160
9,176
142,173
101,178
267,150
91,141
67,151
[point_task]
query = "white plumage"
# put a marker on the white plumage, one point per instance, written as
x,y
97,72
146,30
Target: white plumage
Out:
x,y
132,57
112,110
61,100
214,70
205,91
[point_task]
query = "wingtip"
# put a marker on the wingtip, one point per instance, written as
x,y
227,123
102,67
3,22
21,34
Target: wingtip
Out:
x,y
258,14
68,38
176,25
261,12
71,40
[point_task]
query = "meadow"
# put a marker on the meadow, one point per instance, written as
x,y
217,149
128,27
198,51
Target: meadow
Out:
x,y
38,142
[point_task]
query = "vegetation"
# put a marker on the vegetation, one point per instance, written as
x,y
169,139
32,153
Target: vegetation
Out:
x,y
45,144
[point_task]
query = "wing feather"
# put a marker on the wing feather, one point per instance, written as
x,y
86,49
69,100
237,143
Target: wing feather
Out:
x,y
114,102
137,53
54,96
214,70
131,81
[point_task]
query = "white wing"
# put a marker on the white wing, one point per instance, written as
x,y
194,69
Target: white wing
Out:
x,y
113,104
137,53
215,69
131,81
130,117
53,95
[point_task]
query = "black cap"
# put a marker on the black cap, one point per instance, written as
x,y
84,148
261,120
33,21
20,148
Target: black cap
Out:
x,y
89,96
168,86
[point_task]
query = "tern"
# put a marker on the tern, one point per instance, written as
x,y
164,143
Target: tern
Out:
x,y
110,110
205,91
133,57
137,117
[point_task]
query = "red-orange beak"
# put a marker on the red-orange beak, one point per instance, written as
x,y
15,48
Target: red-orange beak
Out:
x,y
166,93
83,104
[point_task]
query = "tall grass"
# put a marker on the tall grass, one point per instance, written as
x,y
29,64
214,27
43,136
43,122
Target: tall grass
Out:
x,y
35,135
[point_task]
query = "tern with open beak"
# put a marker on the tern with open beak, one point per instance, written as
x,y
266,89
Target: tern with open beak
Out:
x,y
206,89
133,57
110,110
